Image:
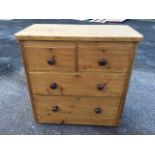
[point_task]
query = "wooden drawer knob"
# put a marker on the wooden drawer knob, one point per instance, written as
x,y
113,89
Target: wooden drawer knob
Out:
x,y
98,110
53,85
100,87
102,62
55,109
51,61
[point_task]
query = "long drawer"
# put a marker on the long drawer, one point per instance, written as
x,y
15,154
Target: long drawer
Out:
x,y
79,110
82,84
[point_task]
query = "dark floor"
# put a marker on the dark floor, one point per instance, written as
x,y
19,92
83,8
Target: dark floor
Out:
x,y
15,110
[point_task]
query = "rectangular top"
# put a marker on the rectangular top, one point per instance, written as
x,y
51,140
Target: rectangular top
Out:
x,y
79,33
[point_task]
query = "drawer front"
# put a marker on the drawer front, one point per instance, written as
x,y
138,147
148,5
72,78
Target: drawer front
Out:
x,y
76,110
50,58
110,57
84,84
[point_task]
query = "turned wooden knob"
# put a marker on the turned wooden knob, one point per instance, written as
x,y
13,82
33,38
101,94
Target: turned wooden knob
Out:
x,y
55,109
98,110
53,85
100,87
102,62
51,61
103,50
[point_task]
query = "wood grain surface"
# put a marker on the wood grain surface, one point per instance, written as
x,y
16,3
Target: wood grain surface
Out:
x,y
84,84
116,56
79,33
76,110
37,59
84,91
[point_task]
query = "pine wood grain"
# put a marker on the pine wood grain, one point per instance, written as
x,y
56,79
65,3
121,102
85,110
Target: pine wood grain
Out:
x,y
132,55
79,33
84,84
116,55
76,110
77,50
36,59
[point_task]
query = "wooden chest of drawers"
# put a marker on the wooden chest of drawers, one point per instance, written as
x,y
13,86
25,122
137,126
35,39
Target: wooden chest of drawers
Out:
x,y
78,74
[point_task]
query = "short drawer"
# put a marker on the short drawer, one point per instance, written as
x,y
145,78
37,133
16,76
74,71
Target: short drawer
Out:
x,y
104,57
76,110
84,84
50,58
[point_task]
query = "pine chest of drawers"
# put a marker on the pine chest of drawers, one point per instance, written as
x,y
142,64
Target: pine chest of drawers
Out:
x,y
78,74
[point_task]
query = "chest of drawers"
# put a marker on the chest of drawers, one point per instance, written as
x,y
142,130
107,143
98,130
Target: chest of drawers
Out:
x,y
78,74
